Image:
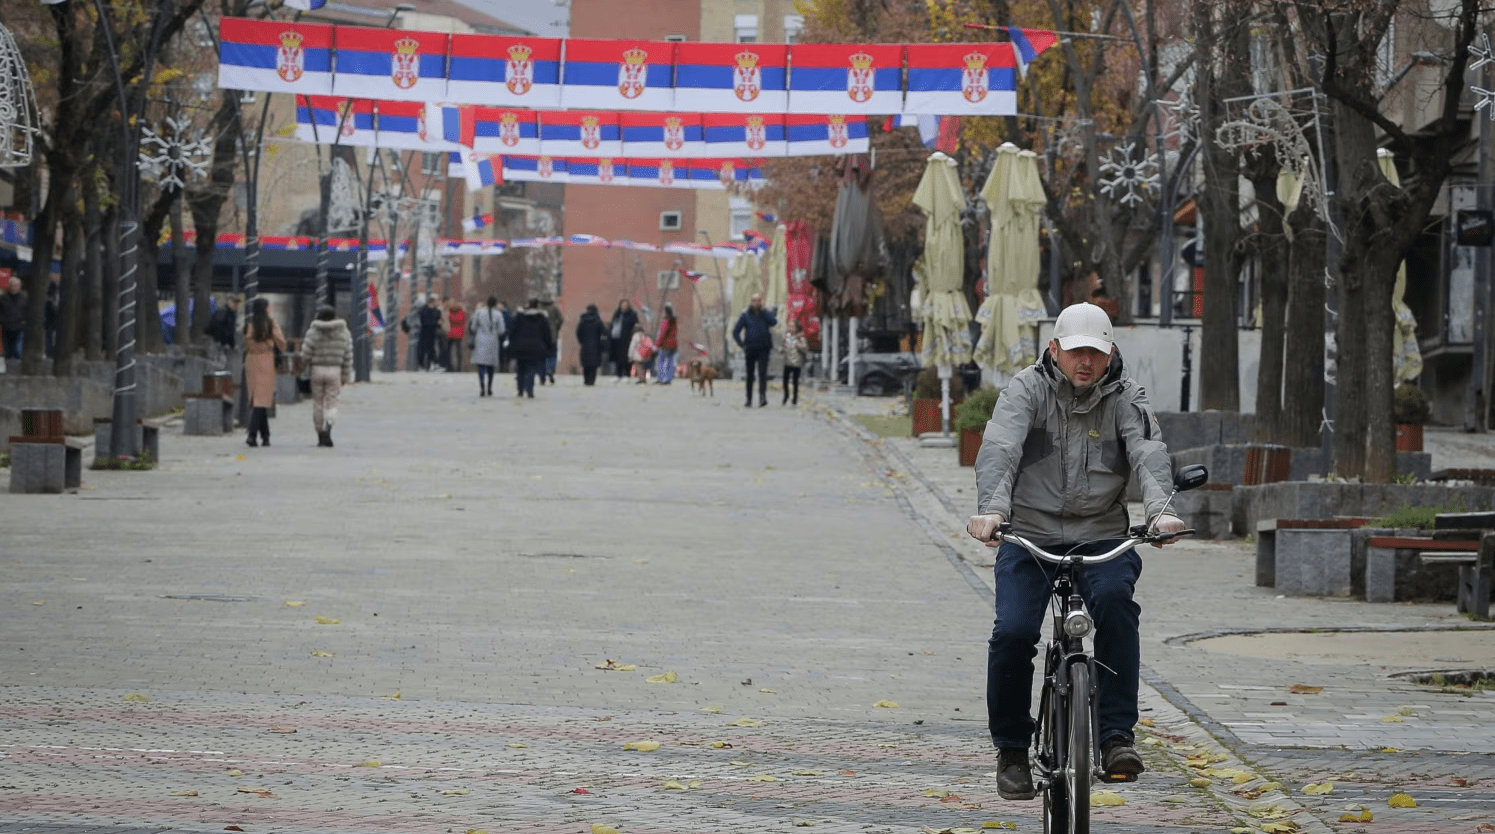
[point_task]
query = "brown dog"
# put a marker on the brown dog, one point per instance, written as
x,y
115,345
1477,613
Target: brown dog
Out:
x,y
701,375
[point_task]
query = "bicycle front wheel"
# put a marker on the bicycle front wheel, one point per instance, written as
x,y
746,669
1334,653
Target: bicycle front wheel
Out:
x,y
1077,768
1051,754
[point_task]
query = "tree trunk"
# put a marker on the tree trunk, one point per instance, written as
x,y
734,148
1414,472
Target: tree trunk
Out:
x,y
1272,253
208,203
91,316
182,285
1303,373
66,336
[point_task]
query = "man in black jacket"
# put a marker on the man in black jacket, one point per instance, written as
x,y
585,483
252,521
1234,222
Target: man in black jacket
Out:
x,y
15,312
223,326
753,333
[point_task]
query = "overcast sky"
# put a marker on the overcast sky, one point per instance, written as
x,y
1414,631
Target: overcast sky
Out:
x,y
542,17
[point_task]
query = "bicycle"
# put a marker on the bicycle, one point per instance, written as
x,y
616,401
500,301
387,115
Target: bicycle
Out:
x,y
1068,753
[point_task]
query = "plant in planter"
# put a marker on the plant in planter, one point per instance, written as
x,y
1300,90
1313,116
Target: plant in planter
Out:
x,y
925,408
1410,411
970,421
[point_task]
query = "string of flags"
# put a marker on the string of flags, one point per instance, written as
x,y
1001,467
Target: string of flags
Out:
x,y
594,74
378,250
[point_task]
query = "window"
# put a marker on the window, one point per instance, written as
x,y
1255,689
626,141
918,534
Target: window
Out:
x,y
741,218
670,221
793,23
246,96
669,279
745,28
675,38
432,164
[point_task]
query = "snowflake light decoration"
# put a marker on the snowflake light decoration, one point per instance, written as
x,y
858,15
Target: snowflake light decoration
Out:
x,y
1183,117
18,115
1483,55
1120,174
175,155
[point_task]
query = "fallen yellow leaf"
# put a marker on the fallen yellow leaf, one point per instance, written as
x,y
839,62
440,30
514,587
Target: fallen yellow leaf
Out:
x,y
1406,711
1279,827
808,773
1200,782
370,763
185,793
1392,719
518,745
1364,816
667,677
294,603
1098,798
763,777
326,620
642,746
886,704
599,828
718,745
477,831
456,792
1011,826
1391,750
136,697
322,654
1319,789
282,729
675,785
939,792
712,710
1153,741
1401,800
745,722
394,697
803,823
1305,689
769,691
235,773
1147,722
258,792
737,763
611,665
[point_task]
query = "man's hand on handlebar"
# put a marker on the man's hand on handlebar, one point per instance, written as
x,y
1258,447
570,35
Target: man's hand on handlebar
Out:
x,y
1167,523
983,528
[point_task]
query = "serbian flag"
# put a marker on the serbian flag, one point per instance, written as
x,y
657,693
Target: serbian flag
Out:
x,y
306,5
501,130
390,64
595,171
732,172
477,221
376,315
328,120
846,78
731,77
656,173
454,165
535,169
580,133
618,75
732,134
828,134
961,79
1028,44
662,134
481,169
275,57
413,126
586,240
506,72
690,274
708,174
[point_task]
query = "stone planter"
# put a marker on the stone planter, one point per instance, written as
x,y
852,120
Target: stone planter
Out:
x,y
1408,437
970,445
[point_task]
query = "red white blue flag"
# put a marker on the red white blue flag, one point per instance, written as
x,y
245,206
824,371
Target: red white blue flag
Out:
x,y
275,57
595,171
390,64
834,133
580,133
327,120
413,125
501,130
756,134
535,169
731,77
961,79
505,72
477,221
738,172
481,170
655,173
1028,44
662,134
618,75
846,78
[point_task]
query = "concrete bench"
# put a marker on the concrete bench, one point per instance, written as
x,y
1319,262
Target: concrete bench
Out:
x,y
147,438
211,411
1386,568
1305,556
46,465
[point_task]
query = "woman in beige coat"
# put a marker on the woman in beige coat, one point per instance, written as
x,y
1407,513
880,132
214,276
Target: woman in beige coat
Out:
x,y
327,354
262,338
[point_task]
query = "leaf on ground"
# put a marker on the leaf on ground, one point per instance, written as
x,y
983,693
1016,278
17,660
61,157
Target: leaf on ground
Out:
x,y
1401,800
1283,827
518,745
611,665
1099,798
477,831
737,763
233,827
1266,811
1406,711
803,823
1153,741
667,677
185,793
1148,722
718,745
1364,816
371,763
712,710
236,773
258,792
1392,719
848,773
1011,826
886,704
1484,827
394,697
294,603
1458,781
1305,689
456,792
137,698
580,790
1318,789
1391,750
327,620
322,654
808,773
745,722
763,777
642,746
1200,782
953,799
769,691
938,792
599,828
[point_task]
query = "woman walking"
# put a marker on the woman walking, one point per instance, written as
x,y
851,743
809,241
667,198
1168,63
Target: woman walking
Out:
x,y
530,342
487,328
327,350
796,351
592,334
262,340
666,346
620,329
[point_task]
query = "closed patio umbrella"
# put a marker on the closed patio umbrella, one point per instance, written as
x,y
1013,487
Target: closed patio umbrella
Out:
x,y
776,271
945,315
1013,307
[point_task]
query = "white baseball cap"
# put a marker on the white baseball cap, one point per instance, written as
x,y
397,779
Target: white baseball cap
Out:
x,y
1084,325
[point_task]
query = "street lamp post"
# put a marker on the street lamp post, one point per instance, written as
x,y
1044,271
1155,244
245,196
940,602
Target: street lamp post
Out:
x,y
722,287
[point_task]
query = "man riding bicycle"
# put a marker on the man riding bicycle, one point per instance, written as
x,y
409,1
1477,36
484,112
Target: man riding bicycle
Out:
x,y
1064,438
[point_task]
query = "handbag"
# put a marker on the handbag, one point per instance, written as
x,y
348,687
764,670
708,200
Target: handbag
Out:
x,y
303,384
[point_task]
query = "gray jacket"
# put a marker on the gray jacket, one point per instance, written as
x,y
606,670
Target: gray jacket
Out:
x,y
1055,462
328,343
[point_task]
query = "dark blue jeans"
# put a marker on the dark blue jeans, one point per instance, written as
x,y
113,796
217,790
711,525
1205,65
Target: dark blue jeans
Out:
x,y
528,369
756,360
1022,601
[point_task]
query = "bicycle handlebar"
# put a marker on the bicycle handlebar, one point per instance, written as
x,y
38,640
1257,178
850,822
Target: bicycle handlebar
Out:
x,y
1137,536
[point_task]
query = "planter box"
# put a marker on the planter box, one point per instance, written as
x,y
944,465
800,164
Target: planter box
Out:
x,y
926,414
1408,437
970,445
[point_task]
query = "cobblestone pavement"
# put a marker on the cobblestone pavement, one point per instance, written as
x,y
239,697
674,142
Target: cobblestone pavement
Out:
x,y
403,634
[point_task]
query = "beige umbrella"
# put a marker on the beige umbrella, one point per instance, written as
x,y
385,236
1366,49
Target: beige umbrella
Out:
x,y
1404,352
946,315
747,281
1010,314
776,271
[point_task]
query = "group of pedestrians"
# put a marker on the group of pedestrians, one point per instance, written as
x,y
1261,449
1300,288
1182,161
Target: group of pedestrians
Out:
x,y
326,361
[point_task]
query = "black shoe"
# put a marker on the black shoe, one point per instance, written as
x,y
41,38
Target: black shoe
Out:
x,y
265,441
1014,775
762,401
1119,758
250,441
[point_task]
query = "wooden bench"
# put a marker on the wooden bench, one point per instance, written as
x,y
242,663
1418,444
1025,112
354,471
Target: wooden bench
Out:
x,y
1472,557
42,458
1305,556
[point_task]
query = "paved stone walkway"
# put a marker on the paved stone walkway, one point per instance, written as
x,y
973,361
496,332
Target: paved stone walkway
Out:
x,y
404,634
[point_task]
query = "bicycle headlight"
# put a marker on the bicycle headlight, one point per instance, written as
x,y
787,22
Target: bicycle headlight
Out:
x,y
1078,624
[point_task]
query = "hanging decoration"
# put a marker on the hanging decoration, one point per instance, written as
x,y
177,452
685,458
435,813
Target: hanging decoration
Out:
x,y
18,113
174,155
1122,176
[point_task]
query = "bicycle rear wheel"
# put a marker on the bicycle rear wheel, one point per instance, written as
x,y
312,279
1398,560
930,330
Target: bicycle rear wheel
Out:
x,y
1077,768
1052,743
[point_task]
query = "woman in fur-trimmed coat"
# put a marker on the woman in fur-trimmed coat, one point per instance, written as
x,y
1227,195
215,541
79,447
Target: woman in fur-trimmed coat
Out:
x,y
327,354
